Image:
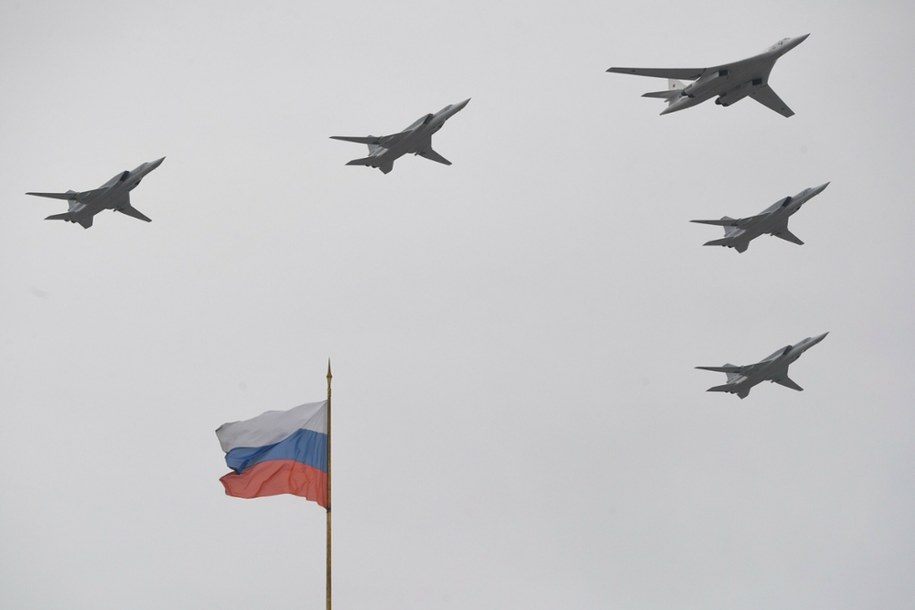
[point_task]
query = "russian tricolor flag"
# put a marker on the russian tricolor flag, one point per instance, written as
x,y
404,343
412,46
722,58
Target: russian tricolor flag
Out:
x,y
278,452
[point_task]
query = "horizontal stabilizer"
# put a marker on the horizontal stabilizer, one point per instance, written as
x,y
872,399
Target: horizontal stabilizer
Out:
x,y
674,91
358,139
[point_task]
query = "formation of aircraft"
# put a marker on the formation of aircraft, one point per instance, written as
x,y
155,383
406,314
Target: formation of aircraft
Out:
x,y
728,83
738,232
415,139
773,368
113,195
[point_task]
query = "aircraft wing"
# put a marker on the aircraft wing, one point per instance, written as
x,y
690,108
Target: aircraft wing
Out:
x,y
783,233
724,222
132,211
430,154
81,196
425,150
746,369
676,73
767,97
358,139
787,382
740,223
64,196
728,368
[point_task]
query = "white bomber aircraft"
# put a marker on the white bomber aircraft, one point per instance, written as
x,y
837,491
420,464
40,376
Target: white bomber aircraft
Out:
x,y
728,83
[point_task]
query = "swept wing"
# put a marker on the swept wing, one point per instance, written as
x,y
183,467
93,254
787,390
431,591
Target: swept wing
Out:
x,y
426,151
740,223
767,97
782,232
676,73
787,382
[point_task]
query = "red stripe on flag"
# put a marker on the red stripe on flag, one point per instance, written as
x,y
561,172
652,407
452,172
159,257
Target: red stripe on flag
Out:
x,y
276,477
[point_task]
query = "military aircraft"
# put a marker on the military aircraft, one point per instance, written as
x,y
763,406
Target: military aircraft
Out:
x,y
773,368
738,232
416,139
113,195
728,82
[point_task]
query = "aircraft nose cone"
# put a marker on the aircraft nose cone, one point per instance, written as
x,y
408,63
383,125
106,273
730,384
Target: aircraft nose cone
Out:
x,y
460,105
157,162
819,338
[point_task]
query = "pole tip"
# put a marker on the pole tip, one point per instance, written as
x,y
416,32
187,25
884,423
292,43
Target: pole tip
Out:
x,y
329,374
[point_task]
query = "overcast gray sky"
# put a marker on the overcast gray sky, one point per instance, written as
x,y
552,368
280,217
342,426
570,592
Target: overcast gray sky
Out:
x,y
517,420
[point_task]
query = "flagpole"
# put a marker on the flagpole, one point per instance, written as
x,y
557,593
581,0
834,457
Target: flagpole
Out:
x,y
329,377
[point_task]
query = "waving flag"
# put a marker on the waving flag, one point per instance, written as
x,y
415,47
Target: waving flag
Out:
x,y
278,452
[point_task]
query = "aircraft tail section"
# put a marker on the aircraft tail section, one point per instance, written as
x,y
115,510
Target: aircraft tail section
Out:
x,y
674,91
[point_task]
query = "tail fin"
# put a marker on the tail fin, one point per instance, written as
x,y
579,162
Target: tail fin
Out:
x,y
674,90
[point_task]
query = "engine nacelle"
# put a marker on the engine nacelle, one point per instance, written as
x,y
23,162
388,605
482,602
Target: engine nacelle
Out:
x,y
735,95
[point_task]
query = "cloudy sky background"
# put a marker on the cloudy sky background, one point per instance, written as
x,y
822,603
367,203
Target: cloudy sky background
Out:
x,y
517,420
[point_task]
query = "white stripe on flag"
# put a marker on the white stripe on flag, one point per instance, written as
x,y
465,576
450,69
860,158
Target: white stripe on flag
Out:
x,y
273,426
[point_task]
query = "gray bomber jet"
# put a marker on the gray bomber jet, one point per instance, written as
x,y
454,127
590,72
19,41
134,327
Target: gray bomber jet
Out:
x,y
416,139
774,368
728,82
113,195
738,232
